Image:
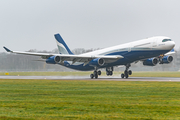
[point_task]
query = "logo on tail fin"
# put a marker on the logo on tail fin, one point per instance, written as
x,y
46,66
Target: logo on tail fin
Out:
x,y
62,47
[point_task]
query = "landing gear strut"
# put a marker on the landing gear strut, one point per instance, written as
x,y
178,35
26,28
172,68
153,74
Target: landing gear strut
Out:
x,y
126,72
95,74
160,59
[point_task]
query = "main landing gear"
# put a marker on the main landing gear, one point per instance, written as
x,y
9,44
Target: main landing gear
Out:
x,y
109,71
126,72
95,74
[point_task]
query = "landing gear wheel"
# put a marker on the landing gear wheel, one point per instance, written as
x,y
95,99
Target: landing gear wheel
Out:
x,y
110,72
92,76
126,76
122,75
95,74
99,72
130,72
107,73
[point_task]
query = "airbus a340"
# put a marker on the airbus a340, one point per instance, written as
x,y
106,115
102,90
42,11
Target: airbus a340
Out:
x,y
150,51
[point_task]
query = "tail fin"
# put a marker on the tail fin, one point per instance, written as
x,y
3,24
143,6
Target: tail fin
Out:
x,y
62,47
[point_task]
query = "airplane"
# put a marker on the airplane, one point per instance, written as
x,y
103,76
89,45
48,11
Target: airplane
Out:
x,y
150,51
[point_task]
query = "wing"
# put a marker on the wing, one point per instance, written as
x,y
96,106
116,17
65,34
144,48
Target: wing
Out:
x,y
67,57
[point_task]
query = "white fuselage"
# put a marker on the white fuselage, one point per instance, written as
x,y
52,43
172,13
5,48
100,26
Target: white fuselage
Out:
x,y
153,43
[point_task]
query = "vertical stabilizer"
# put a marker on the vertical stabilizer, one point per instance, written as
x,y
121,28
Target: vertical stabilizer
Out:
x,y
62,47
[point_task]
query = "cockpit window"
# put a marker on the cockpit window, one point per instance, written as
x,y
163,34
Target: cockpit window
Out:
x,y
165,40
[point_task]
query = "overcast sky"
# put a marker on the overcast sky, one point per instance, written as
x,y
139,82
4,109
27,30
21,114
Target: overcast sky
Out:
x,y
31,24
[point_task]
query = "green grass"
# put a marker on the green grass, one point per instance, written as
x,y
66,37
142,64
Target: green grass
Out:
x,y
135,74
73,99
156,74
46,73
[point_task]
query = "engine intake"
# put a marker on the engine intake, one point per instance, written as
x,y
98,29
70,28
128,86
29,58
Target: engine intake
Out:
x,y
53,60
151,62
57,59
97,62
167,59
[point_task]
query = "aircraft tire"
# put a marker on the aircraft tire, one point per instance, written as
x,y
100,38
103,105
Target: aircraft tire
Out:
x,y
110,73
96,76
130,72
99,72
107,73
122,75
92,76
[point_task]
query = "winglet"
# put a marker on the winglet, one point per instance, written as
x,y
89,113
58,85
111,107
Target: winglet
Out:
x,y
8,50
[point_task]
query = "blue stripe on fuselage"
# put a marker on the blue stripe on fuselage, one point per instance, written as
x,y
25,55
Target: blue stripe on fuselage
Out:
x,y
129,57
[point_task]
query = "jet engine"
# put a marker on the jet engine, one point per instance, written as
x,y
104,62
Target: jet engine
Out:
x,y
53,60
150,62
97,62
167,59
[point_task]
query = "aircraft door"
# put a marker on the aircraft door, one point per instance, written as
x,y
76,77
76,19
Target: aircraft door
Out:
x,y
129,48
154,43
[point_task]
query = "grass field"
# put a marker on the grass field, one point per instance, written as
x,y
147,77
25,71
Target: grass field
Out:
x,y
66,99
135,74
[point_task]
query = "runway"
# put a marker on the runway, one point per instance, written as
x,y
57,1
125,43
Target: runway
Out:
x,y
107,78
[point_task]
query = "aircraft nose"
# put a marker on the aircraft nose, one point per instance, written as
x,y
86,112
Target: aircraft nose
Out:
x,y
171,44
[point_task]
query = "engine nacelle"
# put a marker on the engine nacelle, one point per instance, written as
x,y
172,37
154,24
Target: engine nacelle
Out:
x,y
53,60
167,59
150,62
97,62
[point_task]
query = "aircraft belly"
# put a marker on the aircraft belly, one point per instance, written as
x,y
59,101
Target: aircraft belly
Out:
x,y
129,57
